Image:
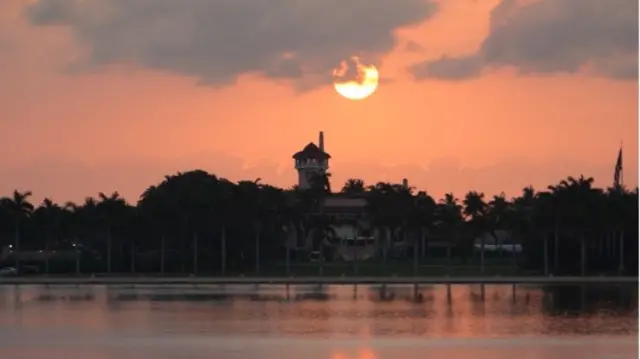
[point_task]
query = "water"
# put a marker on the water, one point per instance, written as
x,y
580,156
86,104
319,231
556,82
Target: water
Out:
x,y
310,322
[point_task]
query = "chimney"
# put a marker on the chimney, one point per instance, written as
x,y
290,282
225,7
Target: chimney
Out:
x,y
405,183
321,141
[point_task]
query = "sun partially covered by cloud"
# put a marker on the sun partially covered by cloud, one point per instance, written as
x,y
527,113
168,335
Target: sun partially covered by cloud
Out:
x,y
551,36
215,41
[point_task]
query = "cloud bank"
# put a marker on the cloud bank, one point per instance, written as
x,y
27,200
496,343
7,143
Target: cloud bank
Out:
x,y
551,36
216,41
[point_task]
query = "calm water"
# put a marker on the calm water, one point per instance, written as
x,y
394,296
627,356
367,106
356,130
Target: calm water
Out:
x,y
332,322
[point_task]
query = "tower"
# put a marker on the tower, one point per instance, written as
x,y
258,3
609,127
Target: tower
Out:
x,y
312,160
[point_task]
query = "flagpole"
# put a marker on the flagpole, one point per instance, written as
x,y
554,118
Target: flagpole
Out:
x,y
621,167
617,176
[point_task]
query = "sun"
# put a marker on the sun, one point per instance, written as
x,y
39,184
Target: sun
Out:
x,y
354,80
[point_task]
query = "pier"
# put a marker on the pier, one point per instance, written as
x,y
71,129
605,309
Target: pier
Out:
x,y
312,280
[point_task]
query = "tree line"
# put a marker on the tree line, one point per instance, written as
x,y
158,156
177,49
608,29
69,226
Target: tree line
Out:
x,y
196,222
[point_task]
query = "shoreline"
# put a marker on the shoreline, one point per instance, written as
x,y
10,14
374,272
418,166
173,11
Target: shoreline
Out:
x,y
312,280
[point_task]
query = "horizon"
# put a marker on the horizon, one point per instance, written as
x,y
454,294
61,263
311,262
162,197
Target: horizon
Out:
x,y
334,190
107,95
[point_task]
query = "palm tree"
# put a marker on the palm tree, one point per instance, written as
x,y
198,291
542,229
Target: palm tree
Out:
x,y
156,209
523,221
135,227
622,209
547,217
378,200
275,215
199,213
290,218
112,210
249,196
354,186
191,203
48,217
390,206
421,217
320,189
576,199
475,209
499,213
19,209
449,216
223,201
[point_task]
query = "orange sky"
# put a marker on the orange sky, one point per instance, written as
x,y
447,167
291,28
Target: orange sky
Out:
x,y
71,135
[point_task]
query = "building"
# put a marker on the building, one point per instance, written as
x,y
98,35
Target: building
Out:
x,y
498,240
353,236
310,162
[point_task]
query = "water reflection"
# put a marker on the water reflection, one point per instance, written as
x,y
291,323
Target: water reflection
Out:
x,y
577,300
360,318
360,354
556,299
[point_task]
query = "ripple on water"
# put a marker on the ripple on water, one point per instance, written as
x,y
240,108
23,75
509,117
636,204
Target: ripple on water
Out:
x,y
258,321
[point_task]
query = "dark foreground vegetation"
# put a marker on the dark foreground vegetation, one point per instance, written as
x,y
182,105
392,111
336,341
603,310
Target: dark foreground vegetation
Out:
x,y
200,224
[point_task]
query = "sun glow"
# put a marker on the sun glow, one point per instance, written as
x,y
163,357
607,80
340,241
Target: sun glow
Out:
x,y
361,87
362,354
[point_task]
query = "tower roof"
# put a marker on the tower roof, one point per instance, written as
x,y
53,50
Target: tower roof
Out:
x,y
311,151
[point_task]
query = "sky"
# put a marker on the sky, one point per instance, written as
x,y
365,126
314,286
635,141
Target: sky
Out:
x,y
486,95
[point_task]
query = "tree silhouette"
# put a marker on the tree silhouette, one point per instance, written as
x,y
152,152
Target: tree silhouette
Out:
x,y
19,210
354,186
195,222
475,209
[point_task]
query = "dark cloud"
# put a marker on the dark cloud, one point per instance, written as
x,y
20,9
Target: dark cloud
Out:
x,y
450,68
215,41
551,36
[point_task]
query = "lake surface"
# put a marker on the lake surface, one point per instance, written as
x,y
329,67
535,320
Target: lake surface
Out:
x,y
311,322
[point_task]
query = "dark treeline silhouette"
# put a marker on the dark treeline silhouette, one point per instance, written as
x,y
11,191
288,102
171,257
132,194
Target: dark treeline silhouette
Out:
x,y
195,222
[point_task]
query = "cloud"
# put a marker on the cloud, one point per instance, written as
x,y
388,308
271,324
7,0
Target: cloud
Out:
x,y
551,36
450,68
215,41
